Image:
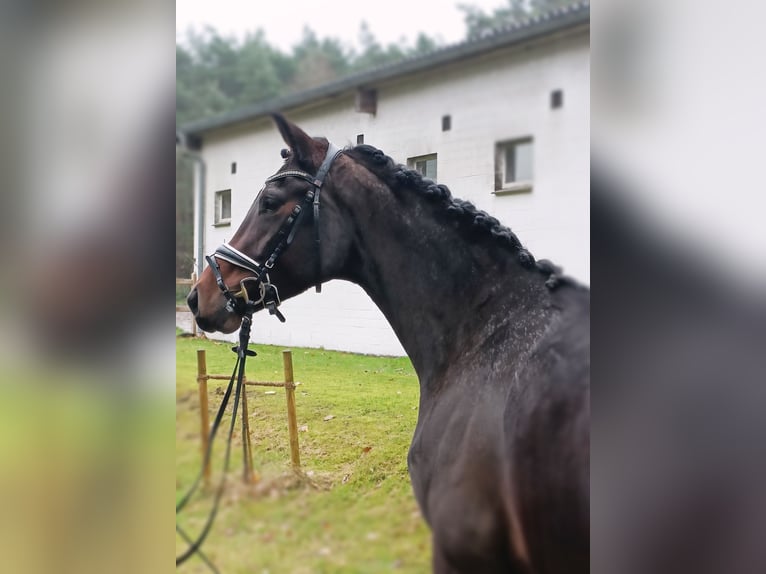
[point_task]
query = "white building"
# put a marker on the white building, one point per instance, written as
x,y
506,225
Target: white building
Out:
x,y
502,121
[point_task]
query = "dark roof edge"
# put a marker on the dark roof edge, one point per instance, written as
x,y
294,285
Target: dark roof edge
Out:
x,y
545,24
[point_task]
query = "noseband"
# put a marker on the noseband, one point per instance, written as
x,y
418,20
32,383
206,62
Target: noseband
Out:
x,y
268,298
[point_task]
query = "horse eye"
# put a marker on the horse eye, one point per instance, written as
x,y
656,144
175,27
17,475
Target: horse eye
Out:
x,y
269,203
285,153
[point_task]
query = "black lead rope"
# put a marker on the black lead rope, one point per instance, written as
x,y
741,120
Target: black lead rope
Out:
x,y
201,554
238,375
208,452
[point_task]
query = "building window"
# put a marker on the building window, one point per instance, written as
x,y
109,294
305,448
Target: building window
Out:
x,y
424,164
223,207
234,167
557,99
360,139
446,123
367,101
514,166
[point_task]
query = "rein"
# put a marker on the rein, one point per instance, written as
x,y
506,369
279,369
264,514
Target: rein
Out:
x,y
237,375
241,303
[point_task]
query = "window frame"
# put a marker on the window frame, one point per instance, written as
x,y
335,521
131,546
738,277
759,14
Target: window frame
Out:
x,y
501,168
413,161
218,220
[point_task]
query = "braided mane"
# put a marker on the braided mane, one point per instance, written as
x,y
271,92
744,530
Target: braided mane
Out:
x,y
477,222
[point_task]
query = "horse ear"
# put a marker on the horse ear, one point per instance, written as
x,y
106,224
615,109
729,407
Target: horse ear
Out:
x,y
302,145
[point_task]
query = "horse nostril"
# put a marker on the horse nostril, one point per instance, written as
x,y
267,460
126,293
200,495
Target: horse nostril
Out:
x,y
191,301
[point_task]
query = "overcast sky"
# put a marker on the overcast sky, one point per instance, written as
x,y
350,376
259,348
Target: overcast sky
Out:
x,y
284,20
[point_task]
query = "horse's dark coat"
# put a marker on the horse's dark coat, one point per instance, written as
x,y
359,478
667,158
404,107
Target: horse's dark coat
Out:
x,y
500,456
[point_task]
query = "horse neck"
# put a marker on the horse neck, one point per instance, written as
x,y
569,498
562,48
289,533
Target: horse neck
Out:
x,y
443,294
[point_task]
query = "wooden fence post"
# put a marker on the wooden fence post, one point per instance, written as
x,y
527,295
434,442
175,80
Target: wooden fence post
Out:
x,y
292,419
203,409
247,452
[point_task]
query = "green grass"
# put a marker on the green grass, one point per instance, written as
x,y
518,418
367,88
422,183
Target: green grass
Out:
x,y
359,515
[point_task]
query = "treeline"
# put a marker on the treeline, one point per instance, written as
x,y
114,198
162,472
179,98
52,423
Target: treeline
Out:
x,y
478,22
216,74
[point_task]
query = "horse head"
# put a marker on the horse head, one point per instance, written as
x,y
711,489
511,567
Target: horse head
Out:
x,y
281,218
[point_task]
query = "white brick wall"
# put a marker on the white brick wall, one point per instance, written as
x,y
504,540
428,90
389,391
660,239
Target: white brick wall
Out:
x,y
494,98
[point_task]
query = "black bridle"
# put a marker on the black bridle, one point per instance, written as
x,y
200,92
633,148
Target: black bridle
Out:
x,y
240,301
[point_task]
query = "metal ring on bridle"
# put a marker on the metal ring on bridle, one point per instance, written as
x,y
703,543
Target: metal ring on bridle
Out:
x,y
244,294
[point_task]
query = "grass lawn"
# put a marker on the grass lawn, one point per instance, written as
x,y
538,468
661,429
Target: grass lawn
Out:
x,y
359,515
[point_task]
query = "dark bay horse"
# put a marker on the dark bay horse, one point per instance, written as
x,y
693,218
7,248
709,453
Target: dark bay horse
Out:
x,y
499,460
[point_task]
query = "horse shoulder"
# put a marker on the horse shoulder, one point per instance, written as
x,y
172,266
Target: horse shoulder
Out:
x,y
547,422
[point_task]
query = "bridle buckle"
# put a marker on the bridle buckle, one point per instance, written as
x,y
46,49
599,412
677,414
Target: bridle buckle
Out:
x,y
271,300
